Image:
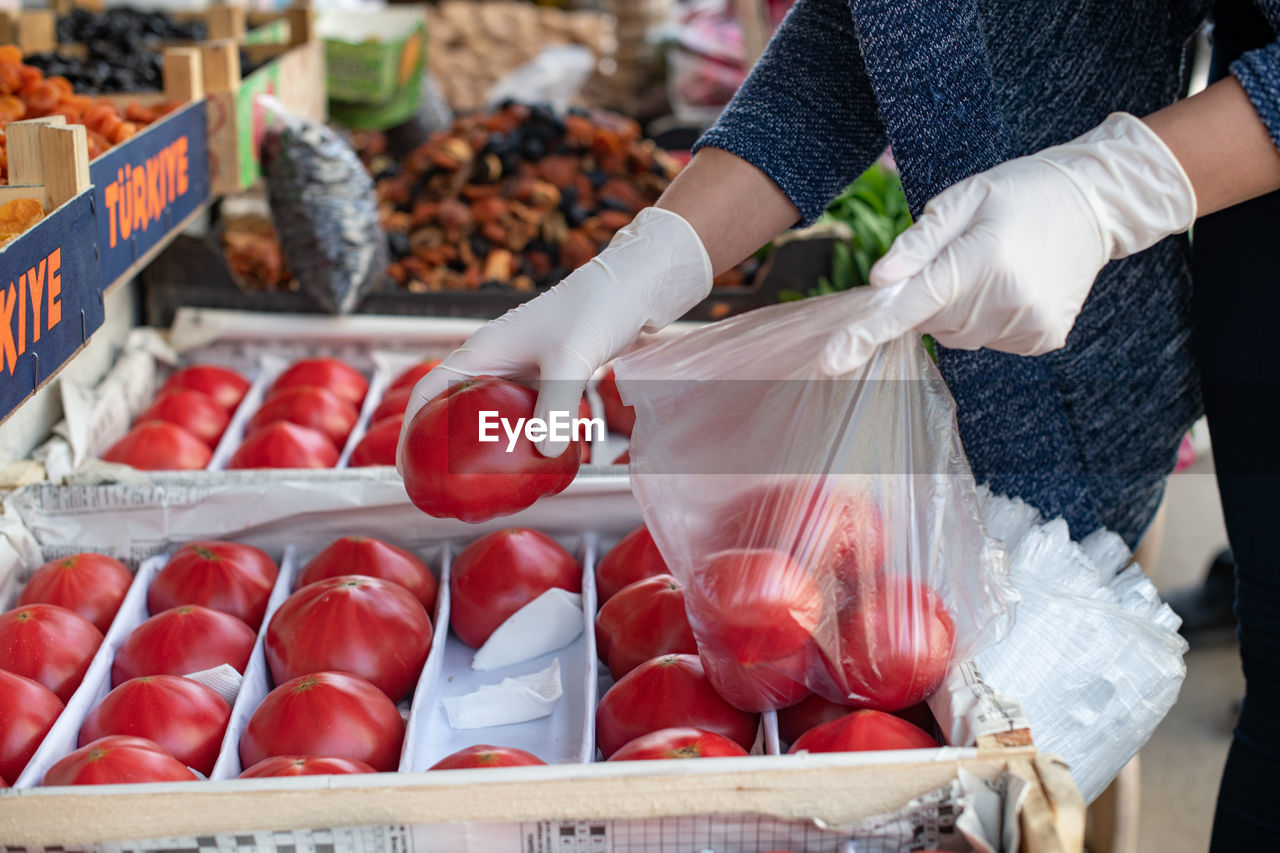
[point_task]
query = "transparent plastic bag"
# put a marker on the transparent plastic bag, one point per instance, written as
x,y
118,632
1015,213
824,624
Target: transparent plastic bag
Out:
x,y
826,530
1095,658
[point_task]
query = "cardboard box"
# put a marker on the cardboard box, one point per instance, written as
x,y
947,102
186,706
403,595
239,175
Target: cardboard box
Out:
x,y
373,55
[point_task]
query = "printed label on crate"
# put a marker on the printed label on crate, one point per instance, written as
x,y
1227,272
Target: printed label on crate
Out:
x,y
146,187
50,299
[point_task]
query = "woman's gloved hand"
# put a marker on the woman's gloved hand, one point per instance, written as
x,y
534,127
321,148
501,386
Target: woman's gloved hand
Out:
x,y
653,271
1005,259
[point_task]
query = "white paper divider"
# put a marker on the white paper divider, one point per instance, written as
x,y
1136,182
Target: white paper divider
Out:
x,y
591,695
769,723
61,739
564,737
234,433
378,382
257,678
426,694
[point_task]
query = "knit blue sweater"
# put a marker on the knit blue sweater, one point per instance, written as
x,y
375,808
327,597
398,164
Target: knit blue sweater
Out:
x,y
956,86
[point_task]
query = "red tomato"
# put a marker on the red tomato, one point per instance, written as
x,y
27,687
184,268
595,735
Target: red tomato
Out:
x,y
159,446
827,530
285,445
620,418
28,710
624,458
863,730
668,692
378,445
181,640
812,711
633,559
92,585
450,473
896,639
304,405
197,413
496,575
48,644
325,713
304,765
365,626
183,716
677,743
483,755
226,576
364,555
755,612
411,376
339,377
643,621
118,759
394,402
226,387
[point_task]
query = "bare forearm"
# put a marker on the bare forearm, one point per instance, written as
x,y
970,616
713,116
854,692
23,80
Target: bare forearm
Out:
x,y
734,207
1222,145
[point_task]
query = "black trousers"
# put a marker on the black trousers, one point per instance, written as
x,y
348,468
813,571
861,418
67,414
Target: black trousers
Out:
x,y
1236,269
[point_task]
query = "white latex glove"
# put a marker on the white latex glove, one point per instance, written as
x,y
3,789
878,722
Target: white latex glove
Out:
x,y
654,270
1005,258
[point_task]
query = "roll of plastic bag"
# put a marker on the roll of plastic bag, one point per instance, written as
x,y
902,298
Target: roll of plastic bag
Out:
x,y
1094,658
324,208
826,530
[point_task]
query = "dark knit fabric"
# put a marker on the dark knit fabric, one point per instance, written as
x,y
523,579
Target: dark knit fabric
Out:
x,y
1088,432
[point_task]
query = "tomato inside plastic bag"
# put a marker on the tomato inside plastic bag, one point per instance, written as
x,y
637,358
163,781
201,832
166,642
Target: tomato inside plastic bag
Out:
x,y
826,529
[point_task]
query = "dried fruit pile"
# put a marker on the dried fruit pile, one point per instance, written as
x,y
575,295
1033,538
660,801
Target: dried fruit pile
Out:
x,y
26,93
252,249
518,197
17,216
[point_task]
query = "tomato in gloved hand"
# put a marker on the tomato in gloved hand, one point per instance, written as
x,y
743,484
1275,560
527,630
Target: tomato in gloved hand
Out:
x,y
677,743
643,621
863,730
497,574
483,755
226,576
325,713
619,417
450,473
92,585
364,555
668,692
633,559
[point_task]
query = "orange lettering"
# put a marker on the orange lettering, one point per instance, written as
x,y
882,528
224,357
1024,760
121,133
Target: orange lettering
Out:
x,y
138,182
35,287
54,314
181,145
22,313
126,218
111,192
6,329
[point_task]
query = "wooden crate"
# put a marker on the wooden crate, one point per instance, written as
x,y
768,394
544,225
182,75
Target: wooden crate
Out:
x,y
294,73
50,281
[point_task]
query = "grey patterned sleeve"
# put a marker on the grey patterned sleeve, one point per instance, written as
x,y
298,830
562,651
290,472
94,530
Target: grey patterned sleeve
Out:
x,y
1259,73
806,115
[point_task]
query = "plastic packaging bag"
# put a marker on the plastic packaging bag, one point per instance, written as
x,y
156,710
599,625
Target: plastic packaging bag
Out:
x,y
826,530
325,210
553,77
1094,658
